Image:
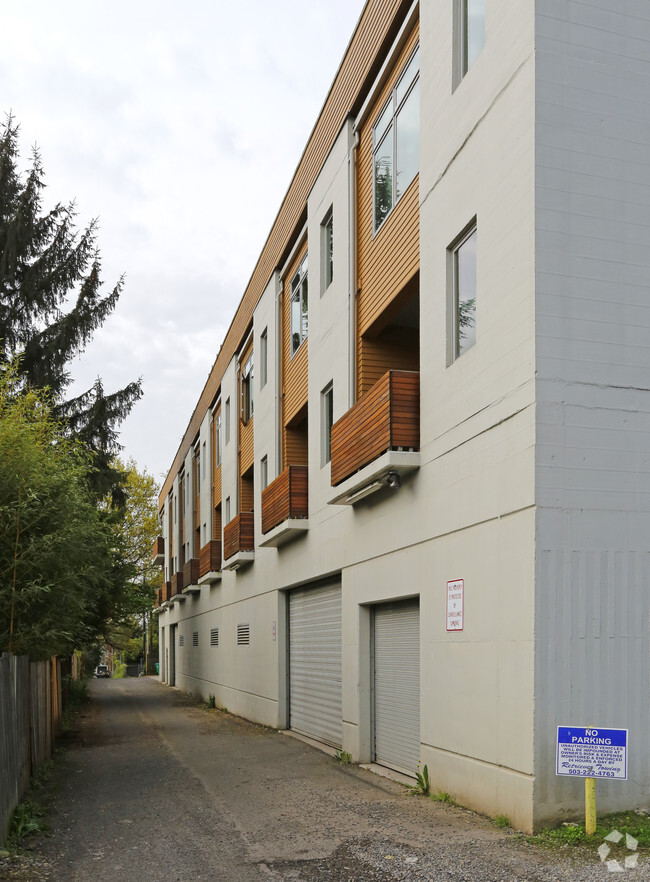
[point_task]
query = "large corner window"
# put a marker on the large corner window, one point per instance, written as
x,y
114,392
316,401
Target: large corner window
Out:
x,y
299,318
395,142
463,293
470,34
247,390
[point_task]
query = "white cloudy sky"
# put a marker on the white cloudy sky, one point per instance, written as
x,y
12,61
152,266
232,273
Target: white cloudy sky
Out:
x,y
178,124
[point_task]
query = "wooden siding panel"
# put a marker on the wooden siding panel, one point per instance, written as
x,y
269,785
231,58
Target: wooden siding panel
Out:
x,y
216,522
246,445
294,370
295,445
216,487
396,348
377,26
390,259
239,534
386,418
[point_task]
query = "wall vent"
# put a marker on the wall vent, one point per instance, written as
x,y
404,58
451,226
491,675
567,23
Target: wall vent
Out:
x,y
181,640
214,637
243,635
195,638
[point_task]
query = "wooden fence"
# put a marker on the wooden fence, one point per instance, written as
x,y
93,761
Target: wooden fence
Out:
x,y
32,695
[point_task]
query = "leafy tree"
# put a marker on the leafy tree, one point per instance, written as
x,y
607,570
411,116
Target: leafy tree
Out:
x,y
44,261
61,575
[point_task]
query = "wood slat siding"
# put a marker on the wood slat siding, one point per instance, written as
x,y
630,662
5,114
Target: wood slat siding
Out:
x,y
286,497
295,370
246,445
210,557
159,596
395,349
166,591
181,512
377,27
386,418
387,261
295,449
191,572
246,493
196,508
177,583
158,547
170,530
239,534
216,522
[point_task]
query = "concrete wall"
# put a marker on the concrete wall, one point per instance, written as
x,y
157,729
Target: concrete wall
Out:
x,y
593,392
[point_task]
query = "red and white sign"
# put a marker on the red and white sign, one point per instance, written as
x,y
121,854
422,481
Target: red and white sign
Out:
x,y
455,604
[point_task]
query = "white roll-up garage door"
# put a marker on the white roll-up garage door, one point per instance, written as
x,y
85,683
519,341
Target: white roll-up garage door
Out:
x,y
397,685
315,706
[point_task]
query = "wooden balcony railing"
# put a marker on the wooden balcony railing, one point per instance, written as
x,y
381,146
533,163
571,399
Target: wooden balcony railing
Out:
x,y
286,497
191,572
386,418
177,583
239,534
159,596
210,558
166,591
158,549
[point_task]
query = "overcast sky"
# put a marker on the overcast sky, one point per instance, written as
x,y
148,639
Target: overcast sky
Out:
x,y
179,125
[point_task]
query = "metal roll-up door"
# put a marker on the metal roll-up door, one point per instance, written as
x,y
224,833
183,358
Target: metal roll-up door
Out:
x,y
397,686
315,705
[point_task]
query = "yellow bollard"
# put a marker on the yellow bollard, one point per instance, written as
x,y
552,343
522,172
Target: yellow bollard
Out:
x,y
590,806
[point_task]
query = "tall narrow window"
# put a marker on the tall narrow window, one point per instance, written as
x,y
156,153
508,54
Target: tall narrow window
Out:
x,y
247,389
327,420
395,142
463,293
470,34
203,461
264,472
299,315
327,251
227,512
264,355
227,418
217,438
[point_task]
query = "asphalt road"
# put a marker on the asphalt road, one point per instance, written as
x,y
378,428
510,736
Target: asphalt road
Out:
x,y
154,788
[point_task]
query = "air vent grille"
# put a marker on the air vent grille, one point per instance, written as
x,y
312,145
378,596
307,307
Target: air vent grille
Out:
x,y
243,635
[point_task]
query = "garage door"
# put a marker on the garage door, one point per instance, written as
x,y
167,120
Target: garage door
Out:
x,y
315,706
397,685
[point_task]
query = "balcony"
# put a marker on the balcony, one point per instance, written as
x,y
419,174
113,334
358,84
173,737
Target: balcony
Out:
x,y
166,592
378,440
239,541
285,507
210,563
158,552
177,587
191,576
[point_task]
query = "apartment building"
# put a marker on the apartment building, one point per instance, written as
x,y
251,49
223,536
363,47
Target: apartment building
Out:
x,y
410,513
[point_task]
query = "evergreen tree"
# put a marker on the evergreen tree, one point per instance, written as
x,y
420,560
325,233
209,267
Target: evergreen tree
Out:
x,y
44,260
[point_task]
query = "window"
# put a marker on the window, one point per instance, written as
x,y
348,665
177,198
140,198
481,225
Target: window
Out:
x,y
264,355
299,318
264,472
463,293
395,142
227,417
327,251
197,472
247,390
203,461
470,34
227,509
217,438
327,420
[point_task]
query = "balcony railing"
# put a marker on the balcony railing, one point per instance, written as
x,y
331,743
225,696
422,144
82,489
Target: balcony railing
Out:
x,y
191,572
239,534
166,591
386,418
177,584
158,551
210,558
286,497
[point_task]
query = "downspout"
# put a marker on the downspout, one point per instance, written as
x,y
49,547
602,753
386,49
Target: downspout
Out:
x,y
352,269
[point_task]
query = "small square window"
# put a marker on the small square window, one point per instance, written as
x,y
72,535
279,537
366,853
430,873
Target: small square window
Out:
x,y
327,420
463,289
327,251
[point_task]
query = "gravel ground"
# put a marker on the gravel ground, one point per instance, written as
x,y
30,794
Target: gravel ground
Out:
x,y
154,789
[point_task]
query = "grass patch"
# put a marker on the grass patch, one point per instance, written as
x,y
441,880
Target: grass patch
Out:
x,y
634,823
443,796
422,786
343,757
502,821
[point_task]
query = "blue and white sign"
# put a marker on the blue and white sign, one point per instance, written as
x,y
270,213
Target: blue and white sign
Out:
x,y
592,753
